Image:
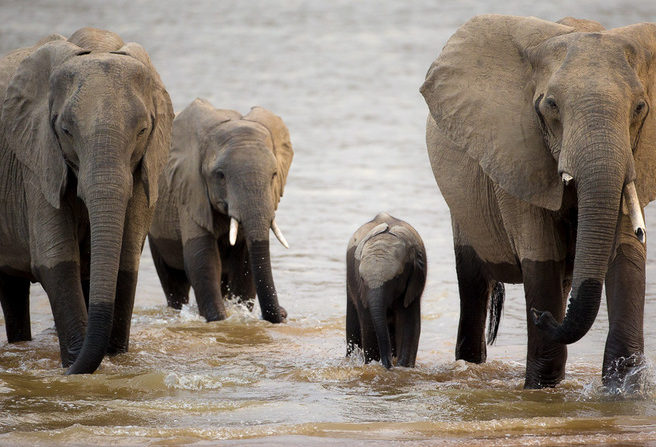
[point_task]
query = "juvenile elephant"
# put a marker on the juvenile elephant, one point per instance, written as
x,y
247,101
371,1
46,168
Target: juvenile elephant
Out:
x,y
218,198
541,139
385,277
85,130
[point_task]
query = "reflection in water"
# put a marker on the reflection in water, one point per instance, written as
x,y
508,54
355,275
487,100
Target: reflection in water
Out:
x,y
345,77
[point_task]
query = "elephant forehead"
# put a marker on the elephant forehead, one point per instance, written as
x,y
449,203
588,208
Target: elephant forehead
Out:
x,y
109,69
383,258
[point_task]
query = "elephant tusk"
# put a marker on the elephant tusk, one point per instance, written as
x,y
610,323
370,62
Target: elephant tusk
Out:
x,y
567,178
635,212
278,233
234,226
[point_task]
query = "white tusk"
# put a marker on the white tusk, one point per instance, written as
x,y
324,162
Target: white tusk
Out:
x,y
278,233
234,225
567,178
635,213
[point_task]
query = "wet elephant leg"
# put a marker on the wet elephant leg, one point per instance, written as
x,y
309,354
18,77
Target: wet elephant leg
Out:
x,y
543,289
174,282
474,288
15,300
625,295
203,268
408,328
353,336
64,288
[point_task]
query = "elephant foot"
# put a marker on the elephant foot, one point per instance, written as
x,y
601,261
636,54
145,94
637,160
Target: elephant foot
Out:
x,y
625,375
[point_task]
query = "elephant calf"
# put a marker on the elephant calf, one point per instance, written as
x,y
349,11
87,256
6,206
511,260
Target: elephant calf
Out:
x,y
218,198
385,277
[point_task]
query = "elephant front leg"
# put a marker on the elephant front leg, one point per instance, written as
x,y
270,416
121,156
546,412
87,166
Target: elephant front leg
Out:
x,y
239,279
64,288
15,300
353,336
625,295
203,267
474,288
408,329
544,289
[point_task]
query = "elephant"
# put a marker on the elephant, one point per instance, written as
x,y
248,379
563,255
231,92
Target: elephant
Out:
x,y
541,139
218,197
85,129
385,278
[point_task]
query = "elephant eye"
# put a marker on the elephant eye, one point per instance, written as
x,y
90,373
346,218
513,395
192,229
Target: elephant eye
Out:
x,y
275,174
640,107
142,132
66,131
220,175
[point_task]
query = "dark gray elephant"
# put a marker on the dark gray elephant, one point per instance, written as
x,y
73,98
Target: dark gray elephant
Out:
x,y
84,134
218,196
385,277
542,141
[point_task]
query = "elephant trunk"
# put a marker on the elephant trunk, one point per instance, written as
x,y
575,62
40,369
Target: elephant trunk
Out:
x,y
256,225
378,311
599,182
106,198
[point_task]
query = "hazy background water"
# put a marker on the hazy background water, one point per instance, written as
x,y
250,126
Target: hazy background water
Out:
x,y
344,76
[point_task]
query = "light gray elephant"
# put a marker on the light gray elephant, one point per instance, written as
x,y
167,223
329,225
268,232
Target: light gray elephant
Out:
x,y
385,277
543,143
218,196
84,134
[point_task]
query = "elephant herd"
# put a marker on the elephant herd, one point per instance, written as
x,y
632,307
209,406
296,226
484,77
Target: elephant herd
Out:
x,y
540,137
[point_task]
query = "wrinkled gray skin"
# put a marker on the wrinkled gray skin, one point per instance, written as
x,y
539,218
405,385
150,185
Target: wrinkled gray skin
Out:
x,y
515,104
222,166
385,277
84,136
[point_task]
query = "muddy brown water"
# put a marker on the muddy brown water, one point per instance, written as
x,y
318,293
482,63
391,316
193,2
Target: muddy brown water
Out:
x,y
344,75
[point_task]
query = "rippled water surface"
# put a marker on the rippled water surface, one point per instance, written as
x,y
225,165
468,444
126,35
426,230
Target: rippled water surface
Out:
x,y
344,75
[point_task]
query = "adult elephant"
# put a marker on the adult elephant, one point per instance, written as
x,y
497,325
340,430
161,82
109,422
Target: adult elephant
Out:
x,y
541,139
219,194
84,134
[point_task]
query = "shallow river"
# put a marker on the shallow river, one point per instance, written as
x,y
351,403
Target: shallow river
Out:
x,y
344,76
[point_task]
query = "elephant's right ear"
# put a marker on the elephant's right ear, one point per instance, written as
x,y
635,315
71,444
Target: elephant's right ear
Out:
x,y
480,93
25,119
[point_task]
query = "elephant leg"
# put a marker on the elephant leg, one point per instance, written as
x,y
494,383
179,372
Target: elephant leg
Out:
x,y
474,287
63,285
15,300
545,287
353,336
240,282
625,295
408,328
174,282
203,267
138,216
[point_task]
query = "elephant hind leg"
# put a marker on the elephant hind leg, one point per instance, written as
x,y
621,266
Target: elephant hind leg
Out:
x,y
408,328
474,287
174,282
14,297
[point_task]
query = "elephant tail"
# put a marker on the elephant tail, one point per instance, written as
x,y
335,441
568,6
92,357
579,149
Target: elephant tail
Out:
x,y
496,307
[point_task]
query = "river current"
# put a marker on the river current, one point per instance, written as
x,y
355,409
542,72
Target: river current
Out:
x,y
344,76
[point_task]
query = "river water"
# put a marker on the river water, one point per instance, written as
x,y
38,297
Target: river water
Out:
x,y
344,75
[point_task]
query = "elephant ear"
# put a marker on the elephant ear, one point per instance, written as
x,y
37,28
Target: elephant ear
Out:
x,y
417,261
644,36
159,142
184,169
282,146
96,40
25,118
378,229
480,93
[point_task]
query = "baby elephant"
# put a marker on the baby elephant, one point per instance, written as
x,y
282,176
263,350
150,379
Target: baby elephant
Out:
x,y
385,277
217,203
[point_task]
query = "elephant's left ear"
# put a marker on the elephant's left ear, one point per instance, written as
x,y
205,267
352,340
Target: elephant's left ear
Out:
x,y
159,143
282,145
644,37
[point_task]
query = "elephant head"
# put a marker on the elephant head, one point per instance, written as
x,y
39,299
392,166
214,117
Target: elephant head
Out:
x,y
223,164
95,123
543,105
